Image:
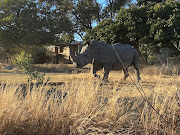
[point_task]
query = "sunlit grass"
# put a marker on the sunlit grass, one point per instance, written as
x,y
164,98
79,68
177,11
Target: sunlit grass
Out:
x,y
84,105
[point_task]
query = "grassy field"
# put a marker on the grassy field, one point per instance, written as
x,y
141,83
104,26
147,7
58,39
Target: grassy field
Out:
x,y
81,104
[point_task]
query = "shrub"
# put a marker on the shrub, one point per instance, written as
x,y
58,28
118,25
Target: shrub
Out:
x,y
24,62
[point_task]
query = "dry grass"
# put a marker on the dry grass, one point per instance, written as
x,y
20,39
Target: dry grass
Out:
x,y
56,68
83,105
161,70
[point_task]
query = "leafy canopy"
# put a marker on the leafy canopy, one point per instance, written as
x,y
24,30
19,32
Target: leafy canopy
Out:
x,y
31,22
148,27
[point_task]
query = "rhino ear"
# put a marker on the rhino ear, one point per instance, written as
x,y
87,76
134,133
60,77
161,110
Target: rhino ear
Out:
x,y
86,42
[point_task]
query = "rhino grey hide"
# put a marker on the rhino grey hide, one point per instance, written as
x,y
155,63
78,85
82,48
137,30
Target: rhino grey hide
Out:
x,y
110,57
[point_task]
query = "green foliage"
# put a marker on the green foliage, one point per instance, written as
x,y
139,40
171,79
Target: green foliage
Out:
x,y
84,13
165,24
24,62
40,54
141,2
39,22
29,22
147,27
103,32
112,7
66,38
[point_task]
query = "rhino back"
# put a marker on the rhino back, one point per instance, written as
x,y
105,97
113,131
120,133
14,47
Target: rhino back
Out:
x,y
105,53
125,54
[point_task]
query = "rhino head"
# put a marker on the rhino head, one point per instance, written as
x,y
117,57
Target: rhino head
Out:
x,y
83,58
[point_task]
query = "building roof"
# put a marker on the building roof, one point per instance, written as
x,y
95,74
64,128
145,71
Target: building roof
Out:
x,y
77,43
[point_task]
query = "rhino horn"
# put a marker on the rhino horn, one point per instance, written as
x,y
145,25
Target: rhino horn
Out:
x,y
72,56
72,53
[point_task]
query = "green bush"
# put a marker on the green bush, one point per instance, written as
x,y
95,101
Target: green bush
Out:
x,y
24,62
148,28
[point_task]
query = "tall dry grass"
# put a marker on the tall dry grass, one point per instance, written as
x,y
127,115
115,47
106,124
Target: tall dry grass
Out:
x,y
85,106
161,70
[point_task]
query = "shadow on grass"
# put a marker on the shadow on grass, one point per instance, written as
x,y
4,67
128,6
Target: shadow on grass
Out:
x,y
59,68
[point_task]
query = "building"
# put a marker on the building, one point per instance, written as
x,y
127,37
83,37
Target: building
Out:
x,y
63,51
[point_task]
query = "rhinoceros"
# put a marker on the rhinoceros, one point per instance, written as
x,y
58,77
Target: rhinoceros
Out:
x,y
110,57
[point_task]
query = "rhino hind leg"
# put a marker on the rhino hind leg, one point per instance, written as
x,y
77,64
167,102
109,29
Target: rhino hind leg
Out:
x,y
136,65
137,71
126,74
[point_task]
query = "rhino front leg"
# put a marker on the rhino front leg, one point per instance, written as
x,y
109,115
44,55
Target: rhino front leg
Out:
x,y
95,69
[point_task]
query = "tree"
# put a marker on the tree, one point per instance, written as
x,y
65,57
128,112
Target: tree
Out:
x,y
102,32
84,14
65,38
29,22
112,7
147,27
165,24
141,2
